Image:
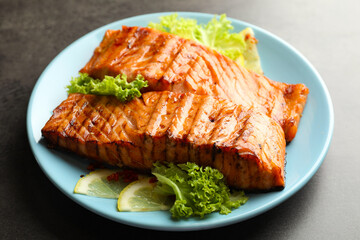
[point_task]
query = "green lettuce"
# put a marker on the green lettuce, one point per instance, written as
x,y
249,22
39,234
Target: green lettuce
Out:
x,y
216,34
198,191
115,86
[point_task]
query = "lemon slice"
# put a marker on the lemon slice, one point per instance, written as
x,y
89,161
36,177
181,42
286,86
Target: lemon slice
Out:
x,y
139,196
96,184
250,58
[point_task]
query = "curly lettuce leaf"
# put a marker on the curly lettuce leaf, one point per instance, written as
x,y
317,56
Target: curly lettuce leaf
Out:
x,y
116,86
199,191
216,34
183,27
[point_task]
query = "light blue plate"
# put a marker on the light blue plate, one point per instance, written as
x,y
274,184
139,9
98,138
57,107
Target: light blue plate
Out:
x,y
280,61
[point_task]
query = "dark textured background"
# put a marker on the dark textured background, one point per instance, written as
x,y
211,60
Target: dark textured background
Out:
x,y
32,33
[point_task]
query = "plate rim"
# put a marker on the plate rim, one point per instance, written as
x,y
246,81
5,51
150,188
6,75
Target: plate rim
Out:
x,y
232,219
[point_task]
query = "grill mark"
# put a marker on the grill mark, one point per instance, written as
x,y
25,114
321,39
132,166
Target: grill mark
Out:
x,y
218,157
240,89
214,76
159,120
270,111
140,109
138,47
186,134
153,52
71,130
219,122
191,64
215,59
154,108
201,103
90,146
171,61
193,153
261,144
177,124
223,61
98,135
212,66
101,110
100,120
103,52
151,115
240,133
121,154
120,120
178,64
213,63
253,91
102,48
152,126
72,117
233,78
212,127
240,75
110,40
130,144
266,164
61,112
81,124
265,148
64,123
173,114
118,52
112,102
78,126
213,153
106,111
159,44
254,88
199,72
170,143
215,125
127,119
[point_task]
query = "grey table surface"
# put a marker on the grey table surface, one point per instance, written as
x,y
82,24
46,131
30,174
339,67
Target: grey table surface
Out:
x,y
32,33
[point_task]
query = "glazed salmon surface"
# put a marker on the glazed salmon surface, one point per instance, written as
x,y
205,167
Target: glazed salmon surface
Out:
x,y
247,146
171,63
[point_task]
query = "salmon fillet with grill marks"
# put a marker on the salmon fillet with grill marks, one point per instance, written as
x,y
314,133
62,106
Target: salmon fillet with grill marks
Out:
x,y
175,64
246,146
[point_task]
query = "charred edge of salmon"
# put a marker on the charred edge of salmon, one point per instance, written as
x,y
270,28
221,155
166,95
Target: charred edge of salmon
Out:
x,y
246,146
54,145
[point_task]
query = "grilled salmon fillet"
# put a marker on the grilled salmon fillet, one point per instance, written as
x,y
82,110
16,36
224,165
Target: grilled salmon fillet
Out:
x,y
171,63
248,147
